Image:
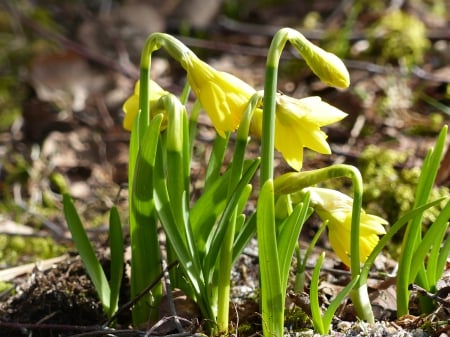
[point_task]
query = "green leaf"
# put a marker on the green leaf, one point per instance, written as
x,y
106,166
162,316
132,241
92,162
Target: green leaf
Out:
x,y
432,240
117,248
316,313
443,257
335,303
214,243
216,159
145,253
272,297
189,262
84,247
207,209
413,231
417,212
288,238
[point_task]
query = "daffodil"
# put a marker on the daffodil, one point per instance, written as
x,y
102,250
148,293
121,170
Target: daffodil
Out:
x,y
223,96
131,105
297,125
336,208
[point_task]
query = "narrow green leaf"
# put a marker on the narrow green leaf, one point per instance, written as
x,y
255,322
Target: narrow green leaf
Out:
x,y
145,253
242,238
242,204
84,247
190,263
316,313
432,240
288,238
216,159
272,297
417,212
193,117
214,243
334,305
443,257
117,264
213,200
413,231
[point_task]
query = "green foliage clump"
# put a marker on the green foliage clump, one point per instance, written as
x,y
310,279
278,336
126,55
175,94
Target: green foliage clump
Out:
x,y
401,36
389,189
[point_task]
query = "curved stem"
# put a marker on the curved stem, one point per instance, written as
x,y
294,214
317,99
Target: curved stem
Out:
x,y
270,89
295,181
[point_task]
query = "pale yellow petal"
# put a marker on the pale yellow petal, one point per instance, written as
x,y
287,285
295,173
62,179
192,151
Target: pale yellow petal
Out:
x,y
340,244
223,96
131,108
320,112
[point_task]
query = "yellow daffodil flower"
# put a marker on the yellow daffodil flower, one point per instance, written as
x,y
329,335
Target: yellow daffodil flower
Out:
x,y
223,96
131,105
297,125
336,207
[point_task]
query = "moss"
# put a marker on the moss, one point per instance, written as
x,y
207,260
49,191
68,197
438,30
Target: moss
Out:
x,y
14,249
390,190
296,319
6,287
397,43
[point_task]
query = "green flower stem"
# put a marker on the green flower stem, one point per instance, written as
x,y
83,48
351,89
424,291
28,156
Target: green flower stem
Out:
x,y
327,66
155,41
226,251
272,300
270,90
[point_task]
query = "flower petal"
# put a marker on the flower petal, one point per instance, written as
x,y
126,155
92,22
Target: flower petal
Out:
x,y
223,96
336,208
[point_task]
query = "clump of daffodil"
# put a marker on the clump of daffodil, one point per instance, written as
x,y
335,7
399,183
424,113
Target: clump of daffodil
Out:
x,y
223,96
336,208
297,125
131,105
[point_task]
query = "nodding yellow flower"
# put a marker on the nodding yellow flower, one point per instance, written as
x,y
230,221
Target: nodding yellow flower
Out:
x,y
131,105
327,66
223,96
297,125
336,207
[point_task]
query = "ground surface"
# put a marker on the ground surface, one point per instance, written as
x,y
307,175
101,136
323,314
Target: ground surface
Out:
x,y
67,69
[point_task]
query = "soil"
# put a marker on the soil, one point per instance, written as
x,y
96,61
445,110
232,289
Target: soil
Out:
x,y
68,135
